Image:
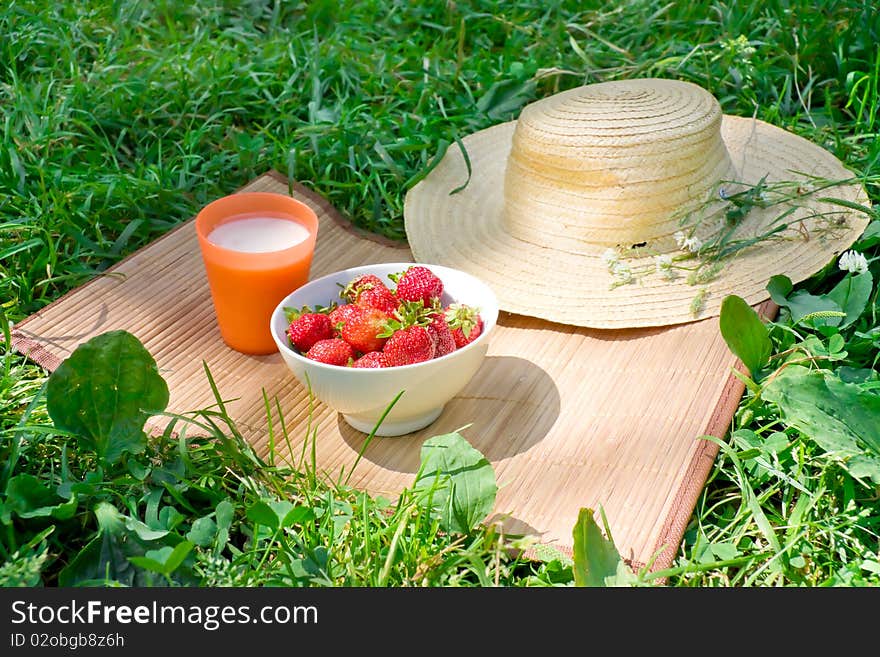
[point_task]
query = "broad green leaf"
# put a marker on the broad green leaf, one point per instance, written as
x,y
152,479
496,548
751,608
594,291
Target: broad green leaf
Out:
x,y
852,295
840,417
178,554
278,513
25,493
860,410
261,513
864,466
297,515
596,560
103,560
745,333
143,531
169,518
801,303
836,343
870,237
105,391
164,560
28,497
105,557
224,513
202,532
779,288
149,563
456,481
724,550
856,374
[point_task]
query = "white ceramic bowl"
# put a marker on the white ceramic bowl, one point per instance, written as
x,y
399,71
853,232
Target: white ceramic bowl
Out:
x,y
362,395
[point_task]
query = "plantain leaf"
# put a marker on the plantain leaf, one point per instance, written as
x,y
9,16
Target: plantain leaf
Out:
x,y
801,303
842,418
596,560
745,333
456,482
105,391
852,295
28,497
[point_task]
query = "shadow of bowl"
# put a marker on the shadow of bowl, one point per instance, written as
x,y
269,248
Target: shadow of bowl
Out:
x,y
510,405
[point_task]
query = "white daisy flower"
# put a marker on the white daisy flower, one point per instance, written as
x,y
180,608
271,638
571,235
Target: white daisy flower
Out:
x,y
854,262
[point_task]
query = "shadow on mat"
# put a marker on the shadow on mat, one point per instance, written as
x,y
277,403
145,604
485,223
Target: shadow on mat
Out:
x,y
511,405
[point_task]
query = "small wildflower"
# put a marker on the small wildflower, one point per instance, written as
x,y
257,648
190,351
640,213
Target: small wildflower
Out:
x,y
806,188
722,193
664,266
611,257
691,244
622,273
739,47
854,262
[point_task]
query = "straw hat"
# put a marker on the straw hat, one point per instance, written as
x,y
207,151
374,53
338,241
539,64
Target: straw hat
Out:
x,y
611,206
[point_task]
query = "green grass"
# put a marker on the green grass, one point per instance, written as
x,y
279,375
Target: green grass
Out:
x,y
120,119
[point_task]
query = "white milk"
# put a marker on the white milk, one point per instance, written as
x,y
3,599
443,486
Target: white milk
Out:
x,y
258,234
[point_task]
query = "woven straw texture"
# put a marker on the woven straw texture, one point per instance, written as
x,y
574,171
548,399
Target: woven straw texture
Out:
x,y
617,165
569,417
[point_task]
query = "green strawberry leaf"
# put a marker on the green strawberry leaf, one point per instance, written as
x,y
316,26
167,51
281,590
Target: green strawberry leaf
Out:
x,y
292,314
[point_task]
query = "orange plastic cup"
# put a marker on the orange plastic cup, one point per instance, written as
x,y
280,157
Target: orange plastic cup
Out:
x,y
246,286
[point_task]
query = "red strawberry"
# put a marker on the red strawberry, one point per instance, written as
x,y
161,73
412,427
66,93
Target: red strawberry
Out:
x,y
380,298
332,351
408,346
371,359
369,291
306,330
350,291
362,328
442,334
418,284
340,315
465,322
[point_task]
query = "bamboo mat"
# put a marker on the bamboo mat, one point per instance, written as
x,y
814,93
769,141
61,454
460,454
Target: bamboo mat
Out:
x,y
569,417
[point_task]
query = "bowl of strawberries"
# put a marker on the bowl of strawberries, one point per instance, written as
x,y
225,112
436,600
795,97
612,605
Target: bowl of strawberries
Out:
x,y
361,337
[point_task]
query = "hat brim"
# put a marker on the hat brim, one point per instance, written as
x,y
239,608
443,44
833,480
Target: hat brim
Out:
x,y
465,231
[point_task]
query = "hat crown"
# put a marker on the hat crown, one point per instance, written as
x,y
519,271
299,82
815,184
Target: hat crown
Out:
x,y
613,164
